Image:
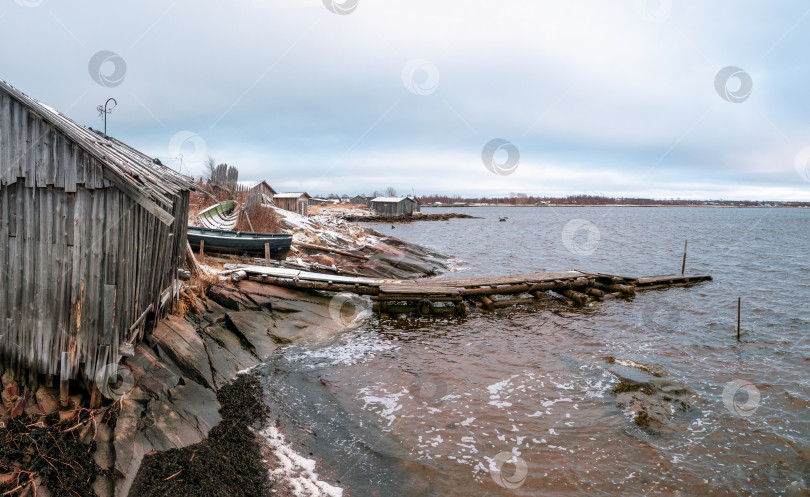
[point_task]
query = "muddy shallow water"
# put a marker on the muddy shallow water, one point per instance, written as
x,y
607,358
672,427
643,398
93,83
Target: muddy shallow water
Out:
x,y
521,401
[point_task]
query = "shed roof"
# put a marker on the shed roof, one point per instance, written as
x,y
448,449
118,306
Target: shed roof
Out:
x,y
292,195
151,184
393,200
265,184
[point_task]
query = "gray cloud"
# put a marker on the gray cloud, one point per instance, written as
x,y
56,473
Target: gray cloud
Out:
x,y
597,97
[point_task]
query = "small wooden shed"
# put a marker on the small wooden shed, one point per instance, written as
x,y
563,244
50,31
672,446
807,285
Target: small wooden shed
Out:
x,y
294,202
264,188
360,200
394,206
91,235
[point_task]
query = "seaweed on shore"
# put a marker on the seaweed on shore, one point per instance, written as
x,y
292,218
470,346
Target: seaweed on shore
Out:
x,y
624,386
52,453
227,463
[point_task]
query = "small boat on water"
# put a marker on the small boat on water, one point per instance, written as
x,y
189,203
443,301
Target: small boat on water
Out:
x,y
240,242
221,216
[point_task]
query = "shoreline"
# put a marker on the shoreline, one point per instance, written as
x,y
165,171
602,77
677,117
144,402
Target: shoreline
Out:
x,y
622,205
227,330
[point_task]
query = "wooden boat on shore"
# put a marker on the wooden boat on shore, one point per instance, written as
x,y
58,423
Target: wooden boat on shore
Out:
x,y
240,242
221,216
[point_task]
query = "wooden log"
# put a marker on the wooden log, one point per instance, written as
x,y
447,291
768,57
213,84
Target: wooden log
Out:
x,y
329,249
595,292
510,302
559,284
415,297
461,308
408,309
488,303
579,298
683,267
616,287
610,296
400,309
498,290
316,285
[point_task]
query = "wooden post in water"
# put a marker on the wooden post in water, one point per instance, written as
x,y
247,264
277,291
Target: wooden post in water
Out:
x,y
266,254
64,379
739,301
683,267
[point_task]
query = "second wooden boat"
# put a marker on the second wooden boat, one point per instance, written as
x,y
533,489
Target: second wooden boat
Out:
x,y
221,216
239,242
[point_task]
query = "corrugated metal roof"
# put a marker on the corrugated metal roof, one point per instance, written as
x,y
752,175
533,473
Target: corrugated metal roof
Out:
x,y
152,185
291,195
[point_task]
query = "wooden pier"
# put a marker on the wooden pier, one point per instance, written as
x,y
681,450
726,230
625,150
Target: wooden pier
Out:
x,y
449,296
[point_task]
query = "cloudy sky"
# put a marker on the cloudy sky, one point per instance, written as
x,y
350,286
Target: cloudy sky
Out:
x,y
621,98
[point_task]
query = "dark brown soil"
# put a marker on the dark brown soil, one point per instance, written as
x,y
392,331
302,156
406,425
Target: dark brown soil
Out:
x,y
51,453
227,463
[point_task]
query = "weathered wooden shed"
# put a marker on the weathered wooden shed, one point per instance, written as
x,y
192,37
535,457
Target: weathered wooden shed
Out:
x,y
264,188
360,200
91,234
295,202
394,206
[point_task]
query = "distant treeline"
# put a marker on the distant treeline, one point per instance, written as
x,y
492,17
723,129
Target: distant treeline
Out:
x,y
523,199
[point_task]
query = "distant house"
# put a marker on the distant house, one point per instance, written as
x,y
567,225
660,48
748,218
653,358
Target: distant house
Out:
x,y
360,200
323,201
265,189
394,206
92,232
294,202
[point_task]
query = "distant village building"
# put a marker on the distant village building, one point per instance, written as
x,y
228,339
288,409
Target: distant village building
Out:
x,y
264,189
323,201
360,200
394,206
294,202
91,235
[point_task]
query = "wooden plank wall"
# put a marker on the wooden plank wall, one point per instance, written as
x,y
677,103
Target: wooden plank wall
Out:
x,y
80,261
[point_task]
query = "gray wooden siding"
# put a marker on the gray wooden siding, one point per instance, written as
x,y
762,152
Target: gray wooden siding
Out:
x,y
80,260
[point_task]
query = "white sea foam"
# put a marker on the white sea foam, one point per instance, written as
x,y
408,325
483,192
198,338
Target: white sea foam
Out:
x,y
355,350
295,470
389,403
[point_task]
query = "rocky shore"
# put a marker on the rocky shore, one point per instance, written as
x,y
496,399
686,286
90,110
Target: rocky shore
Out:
x,y
183,418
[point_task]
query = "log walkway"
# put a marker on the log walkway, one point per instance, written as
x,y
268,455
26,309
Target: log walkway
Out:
x,y
443,296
